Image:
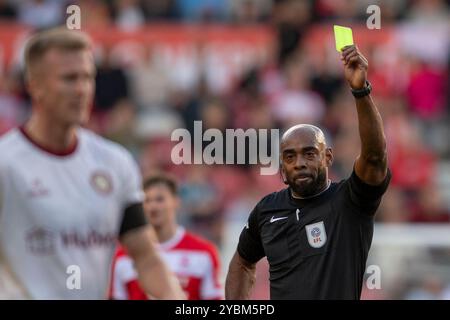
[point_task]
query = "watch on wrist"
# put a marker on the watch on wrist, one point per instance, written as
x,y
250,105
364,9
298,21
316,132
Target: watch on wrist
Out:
x,y
359,93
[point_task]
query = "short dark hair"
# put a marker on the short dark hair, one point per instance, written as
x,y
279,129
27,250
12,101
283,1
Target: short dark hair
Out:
x,y
163,179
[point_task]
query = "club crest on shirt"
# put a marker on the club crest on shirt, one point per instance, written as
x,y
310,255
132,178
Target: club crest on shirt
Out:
x,y
102,182
316,234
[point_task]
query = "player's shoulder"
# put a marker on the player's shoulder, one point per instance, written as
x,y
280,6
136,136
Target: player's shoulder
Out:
x,y
10,138
196,242
120,252
103,147
93,139
11,143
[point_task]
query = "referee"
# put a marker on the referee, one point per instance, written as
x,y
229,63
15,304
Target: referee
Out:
x,y
316,234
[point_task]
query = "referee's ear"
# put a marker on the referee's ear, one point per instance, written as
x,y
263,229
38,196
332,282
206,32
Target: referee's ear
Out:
x,y
329,157
283,175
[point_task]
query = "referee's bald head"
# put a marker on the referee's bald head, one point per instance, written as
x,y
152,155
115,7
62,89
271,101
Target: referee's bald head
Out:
x,y
305,130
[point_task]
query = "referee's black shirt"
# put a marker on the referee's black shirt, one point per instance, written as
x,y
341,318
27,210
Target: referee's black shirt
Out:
x,y
317,248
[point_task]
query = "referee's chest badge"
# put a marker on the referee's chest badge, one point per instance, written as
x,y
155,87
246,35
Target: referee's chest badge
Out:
x,y
317,235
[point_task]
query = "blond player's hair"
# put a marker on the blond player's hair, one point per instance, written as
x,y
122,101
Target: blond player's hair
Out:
x,y
57,38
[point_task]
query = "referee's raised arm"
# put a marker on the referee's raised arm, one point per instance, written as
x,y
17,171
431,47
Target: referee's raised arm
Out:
x,y
371,164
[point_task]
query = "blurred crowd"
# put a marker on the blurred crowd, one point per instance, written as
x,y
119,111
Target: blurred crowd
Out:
x,y
129,14
138,106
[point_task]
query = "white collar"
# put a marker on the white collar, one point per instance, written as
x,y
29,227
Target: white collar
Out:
x,y
174,241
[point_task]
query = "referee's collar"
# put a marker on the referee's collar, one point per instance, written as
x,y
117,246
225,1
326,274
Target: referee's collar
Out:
x,y
313,196
318,197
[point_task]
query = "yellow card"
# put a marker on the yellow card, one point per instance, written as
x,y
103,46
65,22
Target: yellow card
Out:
x,y
343,37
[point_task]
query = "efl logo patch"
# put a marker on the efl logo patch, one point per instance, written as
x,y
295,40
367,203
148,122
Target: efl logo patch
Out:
x,y
317,236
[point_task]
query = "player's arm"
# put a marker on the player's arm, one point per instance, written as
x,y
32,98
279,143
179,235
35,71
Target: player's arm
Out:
x,y
240,278
371,164
139,240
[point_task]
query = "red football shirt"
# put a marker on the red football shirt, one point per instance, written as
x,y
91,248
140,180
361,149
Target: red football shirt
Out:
x,y
194,261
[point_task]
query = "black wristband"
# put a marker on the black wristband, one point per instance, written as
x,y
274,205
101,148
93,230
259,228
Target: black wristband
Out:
x,y
364,91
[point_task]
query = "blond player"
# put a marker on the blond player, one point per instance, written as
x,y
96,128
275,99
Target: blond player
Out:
x,y
66,194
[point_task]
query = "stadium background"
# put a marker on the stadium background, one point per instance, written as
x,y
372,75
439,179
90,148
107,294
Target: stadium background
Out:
x,y
268,64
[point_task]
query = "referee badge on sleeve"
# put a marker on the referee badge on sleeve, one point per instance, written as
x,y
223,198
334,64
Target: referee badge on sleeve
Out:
x,y
316,234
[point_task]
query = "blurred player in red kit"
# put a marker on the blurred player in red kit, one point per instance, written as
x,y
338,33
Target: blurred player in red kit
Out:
x,y
194,260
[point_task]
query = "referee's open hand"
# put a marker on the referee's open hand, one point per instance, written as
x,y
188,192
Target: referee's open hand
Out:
x,y
355,67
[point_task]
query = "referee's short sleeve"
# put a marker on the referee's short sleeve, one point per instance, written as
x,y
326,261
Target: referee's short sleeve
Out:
x,y
367,197
250,246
